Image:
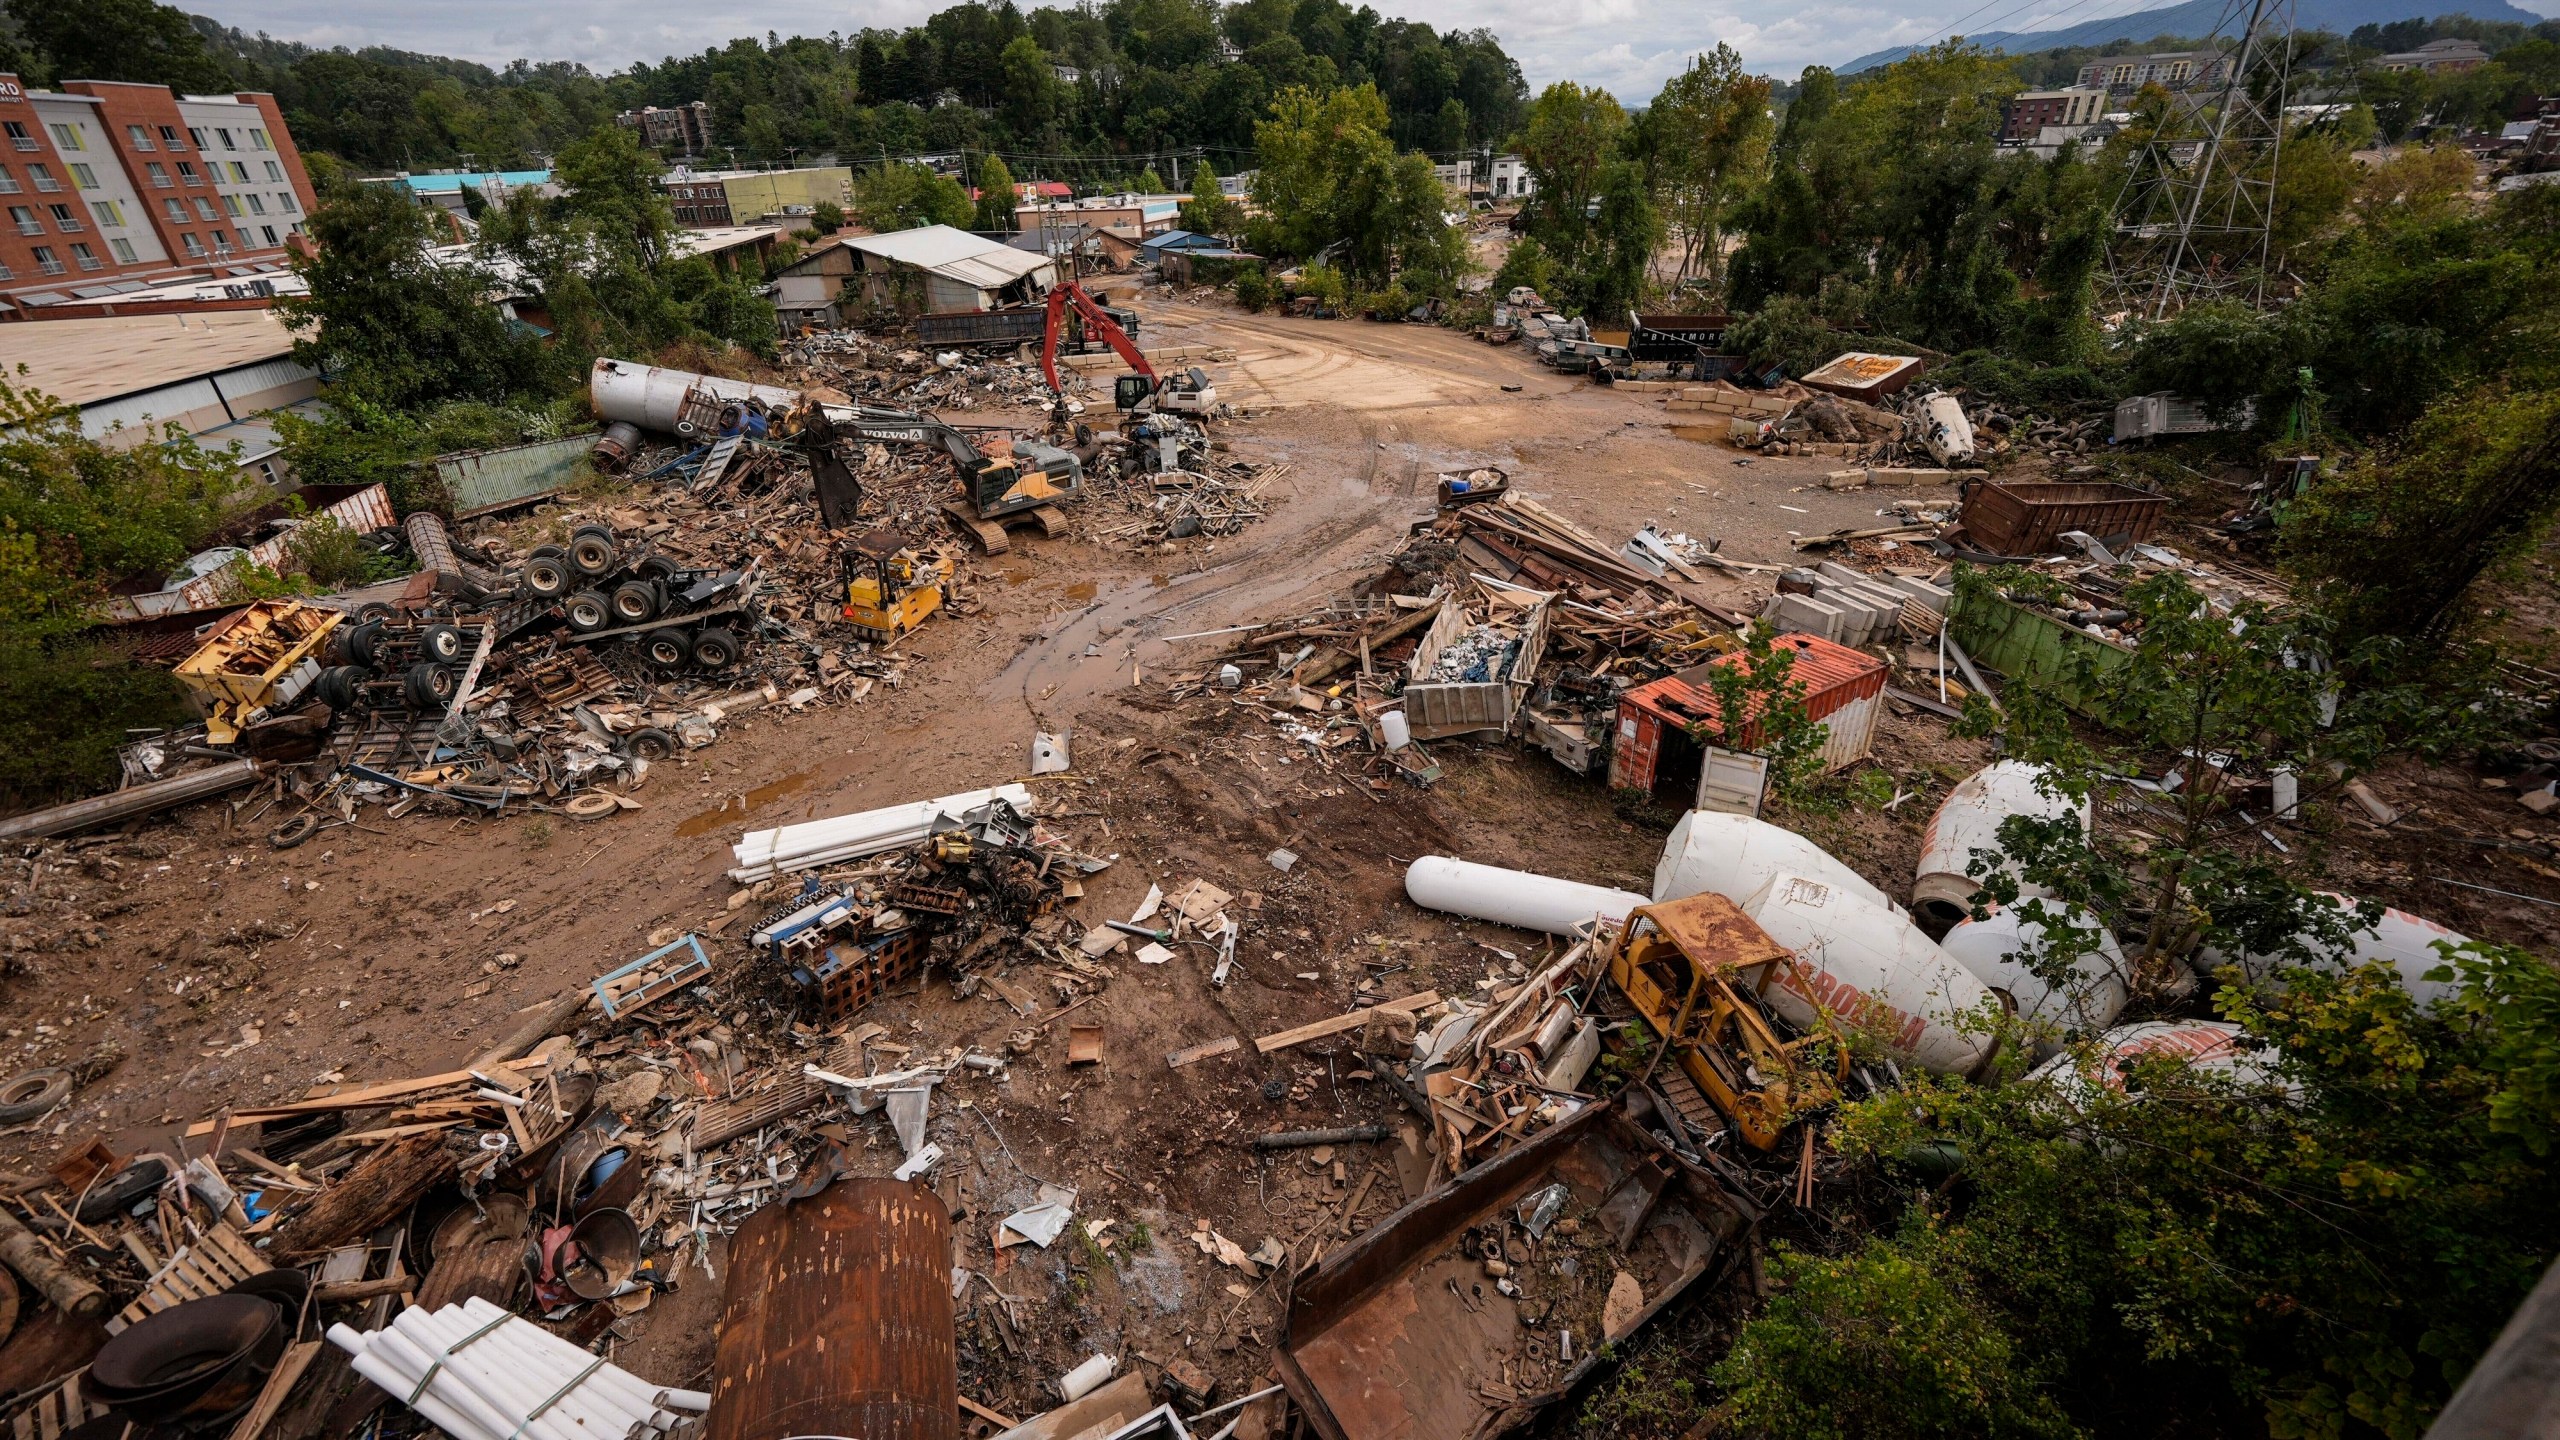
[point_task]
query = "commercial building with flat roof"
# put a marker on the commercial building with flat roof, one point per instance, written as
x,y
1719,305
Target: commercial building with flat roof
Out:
x,y
210,375
707,198
103,181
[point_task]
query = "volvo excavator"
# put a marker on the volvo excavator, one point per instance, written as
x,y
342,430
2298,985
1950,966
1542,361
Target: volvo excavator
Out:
x,y
1005,482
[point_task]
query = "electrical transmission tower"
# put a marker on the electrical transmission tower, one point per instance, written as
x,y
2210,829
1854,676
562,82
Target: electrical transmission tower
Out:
x,y
2197,212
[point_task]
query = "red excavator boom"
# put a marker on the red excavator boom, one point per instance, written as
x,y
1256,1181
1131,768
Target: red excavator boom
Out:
x,y
1097,321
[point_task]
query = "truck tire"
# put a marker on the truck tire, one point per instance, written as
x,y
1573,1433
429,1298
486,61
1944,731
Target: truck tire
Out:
x,y
428,687
364,644
547,577
443,644
337,686
589,611
591,553
636,602
715,649
651,744
668,649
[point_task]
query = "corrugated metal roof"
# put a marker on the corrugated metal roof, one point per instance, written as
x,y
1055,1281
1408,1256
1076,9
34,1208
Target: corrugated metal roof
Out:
x,y
971,260
1821,667
82,361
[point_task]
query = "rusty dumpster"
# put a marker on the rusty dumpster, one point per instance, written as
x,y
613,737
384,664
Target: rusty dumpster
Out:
x,y
1407,1334
2031,519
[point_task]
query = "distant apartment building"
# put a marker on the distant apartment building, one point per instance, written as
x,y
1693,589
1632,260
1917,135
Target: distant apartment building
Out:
x,y
2171,70
1458,176
106,186
1131,217
674,127
705,199
2026,116
2439,57
1511,178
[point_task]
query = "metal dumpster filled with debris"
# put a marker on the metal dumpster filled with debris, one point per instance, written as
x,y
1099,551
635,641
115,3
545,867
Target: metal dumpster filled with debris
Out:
x,y
1468,1311
1477,661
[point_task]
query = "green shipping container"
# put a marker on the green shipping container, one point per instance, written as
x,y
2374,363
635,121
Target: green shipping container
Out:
x,y
2027,644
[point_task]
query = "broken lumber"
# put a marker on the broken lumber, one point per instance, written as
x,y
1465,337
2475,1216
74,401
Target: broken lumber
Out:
x,y
69,1291
1282,1040
539,1025
381,1186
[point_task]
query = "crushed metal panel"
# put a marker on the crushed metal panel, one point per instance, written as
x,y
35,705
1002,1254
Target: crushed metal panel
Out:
x,y
482,482
1732,781
1378,1346
837,1319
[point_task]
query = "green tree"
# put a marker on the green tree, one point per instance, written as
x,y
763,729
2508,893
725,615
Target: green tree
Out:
x,y
134,41
1030,86
1706,139
996,198
1209,211
78,514
902,197
826,217
1331,182
1148,182
388,320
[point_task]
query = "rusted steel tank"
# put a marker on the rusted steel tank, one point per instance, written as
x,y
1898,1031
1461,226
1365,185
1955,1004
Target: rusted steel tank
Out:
x,y
837,1319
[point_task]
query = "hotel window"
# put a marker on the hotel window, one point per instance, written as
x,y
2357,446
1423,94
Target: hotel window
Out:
x,y
159,175
239,173
275,173
284,201
197,135
108,212
123,249
187,172
257,204
8,182
177,210
19,139
205,210
194,246
258,140
138,138
225,137
270,232
169,137
83,176
64,220
43,177
232,203
67,137
87,257
47,261
26,221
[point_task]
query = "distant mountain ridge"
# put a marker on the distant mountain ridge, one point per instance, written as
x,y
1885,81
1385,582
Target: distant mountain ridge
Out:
x,y
2199,17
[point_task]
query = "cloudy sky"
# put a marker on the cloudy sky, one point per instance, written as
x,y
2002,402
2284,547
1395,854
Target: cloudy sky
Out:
x,y
1631,46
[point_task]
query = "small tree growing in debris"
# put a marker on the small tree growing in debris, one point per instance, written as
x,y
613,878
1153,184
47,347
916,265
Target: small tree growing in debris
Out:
x,y
1760,710
2229,699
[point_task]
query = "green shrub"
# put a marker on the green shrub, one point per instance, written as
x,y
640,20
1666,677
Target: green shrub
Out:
x,y
1324,283
1253,287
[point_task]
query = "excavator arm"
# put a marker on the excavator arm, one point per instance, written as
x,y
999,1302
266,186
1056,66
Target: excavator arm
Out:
x,y
1097,321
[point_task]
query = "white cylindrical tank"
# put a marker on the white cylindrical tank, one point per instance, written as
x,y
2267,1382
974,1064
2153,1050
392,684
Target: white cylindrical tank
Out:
x,y
2209,1045
1969,820
1713,852
1871,968
1945,430
1513,897
1989,949
651,396
2399,939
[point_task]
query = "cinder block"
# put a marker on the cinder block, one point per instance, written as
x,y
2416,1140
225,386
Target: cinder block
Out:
x,y
1804,615
1936,597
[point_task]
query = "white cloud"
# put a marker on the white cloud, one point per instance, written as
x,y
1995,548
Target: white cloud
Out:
x,y
1629,46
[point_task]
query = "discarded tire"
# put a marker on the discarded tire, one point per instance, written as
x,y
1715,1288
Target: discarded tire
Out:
x,y
32,1094
667,649
589,611
594,805
591,553
547,577
294,831
715,649
336,687
654,567
442,643
117,1193
428,687
652,744
635,602
364,643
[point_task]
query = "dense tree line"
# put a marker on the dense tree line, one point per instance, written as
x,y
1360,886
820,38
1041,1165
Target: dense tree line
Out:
x,y
1084,84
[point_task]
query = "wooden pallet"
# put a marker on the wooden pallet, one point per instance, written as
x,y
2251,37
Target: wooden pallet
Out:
x,y
210,1266
717,1122
392,739
56,1411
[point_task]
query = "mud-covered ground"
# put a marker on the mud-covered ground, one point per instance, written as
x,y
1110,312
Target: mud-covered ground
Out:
x,y
223,972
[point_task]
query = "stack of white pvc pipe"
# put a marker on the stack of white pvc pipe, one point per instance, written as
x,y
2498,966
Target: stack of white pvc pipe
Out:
x,y
479,1373
763,854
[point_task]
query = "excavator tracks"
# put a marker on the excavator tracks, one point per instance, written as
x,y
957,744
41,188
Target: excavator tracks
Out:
x,y
989,535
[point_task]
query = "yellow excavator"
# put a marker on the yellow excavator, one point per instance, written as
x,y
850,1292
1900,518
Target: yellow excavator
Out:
x,y
1006,482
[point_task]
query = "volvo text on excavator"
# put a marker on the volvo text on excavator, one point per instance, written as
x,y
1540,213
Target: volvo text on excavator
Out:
x,y
1003,482
1186,392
